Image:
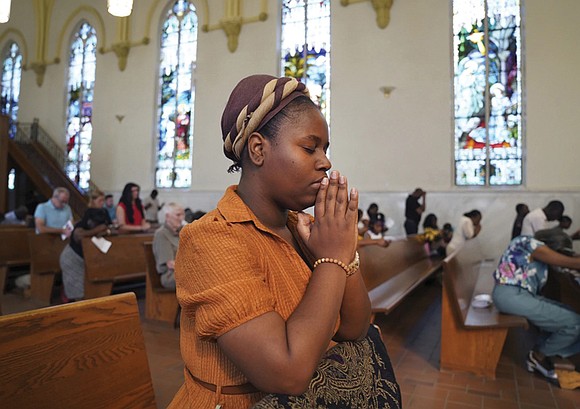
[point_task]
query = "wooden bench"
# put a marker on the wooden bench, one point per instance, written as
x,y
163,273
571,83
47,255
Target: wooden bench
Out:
x,y
123,262
160,302
88,354
13,250
45,252
391,273
472,339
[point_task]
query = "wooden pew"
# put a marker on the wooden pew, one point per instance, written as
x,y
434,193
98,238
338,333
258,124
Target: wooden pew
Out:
x,y
160,302
124,261
45,252
13,250
88,354
471,338
391,273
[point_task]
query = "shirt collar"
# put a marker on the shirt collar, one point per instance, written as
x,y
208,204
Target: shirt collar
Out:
x,y
234,210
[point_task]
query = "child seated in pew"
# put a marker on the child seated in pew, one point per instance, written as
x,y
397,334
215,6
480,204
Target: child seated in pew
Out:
x,y
95,222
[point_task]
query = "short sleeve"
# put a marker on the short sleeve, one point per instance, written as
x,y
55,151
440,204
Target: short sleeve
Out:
x,y
39,213
219,275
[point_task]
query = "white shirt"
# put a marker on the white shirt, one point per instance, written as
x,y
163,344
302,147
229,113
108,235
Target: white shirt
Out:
x,y
461,235
534,221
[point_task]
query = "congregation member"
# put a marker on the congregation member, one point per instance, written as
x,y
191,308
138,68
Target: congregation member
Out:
x,y
558,235
130,213
152,207
110,207
522,210
468,228
54,215
18,216
519,278
166,241
415,205
265,289
95,222
538,219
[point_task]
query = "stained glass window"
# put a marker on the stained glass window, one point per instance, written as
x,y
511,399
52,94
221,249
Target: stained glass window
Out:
x,y
11,74
488,92
305,47
80,89
176,96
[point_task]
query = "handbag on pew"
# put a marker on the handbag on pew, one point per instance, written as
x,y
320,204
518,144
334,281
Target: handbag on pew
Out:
x,y
352,374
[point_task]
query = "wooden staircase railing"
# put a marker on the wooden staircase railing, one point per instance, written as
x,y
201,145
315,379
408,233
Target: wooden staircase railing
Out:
x,y
36,154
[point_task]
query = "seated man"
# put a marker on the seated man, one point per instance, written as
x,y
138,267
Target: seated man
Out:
x,y
53,215
165,243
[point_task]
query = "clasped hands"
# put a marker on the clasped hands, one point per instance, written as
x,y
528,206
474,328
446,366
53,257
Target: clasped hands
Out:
x,y
333,233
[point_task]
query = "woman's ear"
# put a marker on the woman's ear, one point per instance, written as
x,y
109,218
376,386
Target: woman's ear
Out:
x,y
256,146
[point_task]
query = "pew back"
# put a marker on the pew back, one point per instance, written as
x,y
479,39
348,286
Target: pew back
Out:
x,y
88,354
45,252
160,302
124,261
13,250
379,264
14,246
392,273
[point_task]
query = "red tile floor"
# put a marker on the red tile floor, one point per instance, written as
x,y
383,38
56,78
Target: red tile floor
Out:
x,y
411,333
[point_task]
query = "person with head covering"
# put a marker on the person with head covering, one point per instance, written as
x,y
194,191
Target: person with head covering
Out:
x,y
520,276
265,289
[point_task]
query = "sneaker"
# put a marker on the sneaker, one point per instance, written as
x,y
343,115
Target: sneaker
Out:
x,y
539,362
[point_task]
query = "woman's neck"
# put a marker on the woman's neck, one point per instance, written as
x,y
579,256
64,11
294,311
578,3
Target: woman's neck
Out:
x,y
263,206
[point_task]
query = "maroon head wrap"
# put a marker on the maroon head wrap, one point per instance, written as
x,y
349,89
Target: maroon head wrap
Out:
x,y
253,102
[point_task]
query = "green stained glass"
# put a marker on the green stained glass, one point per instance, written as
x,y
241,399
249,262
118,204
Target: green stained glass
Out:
x,y
487,89
176,96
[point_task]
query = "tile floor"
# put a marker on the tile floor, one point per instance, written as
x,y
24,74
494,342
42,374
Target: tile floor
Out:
x,y
411,333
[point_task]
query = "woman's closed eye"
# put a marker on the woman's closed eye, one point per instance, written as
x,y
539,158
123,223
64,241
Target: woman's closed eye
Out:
x,y
309,149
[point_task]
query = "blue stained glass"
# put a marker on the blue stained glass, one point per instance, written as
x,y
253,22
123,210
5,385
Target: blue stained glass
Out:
x,y
487,85
80,88
305,47
10,84
176,96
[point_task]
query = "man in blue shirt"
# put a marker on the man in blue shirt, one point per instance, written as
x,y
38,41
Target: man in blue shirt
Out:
x,y
52,216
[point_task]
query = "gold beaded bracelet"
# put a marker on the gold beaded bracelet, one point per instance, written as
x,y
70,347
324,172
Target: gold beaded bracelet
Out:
x,y
349,270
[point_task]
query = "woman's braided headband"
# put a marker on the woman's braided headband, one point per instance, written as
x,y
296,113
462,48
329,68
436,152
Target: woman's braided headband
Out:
x,y
251,117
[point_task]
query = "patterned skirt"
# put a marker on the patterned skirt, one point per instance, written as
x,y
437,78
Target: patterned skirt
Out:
x,y
350,375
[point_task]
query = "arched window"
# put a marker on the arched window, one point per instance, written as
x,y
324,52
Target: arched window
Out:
x,y
80,89
488,92
11,74
305,47
176,96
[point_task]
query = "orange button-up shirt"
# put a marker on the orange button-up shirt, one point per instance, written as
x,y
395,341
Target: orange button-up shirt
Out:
x,y
229,269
